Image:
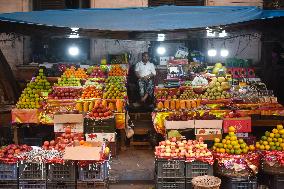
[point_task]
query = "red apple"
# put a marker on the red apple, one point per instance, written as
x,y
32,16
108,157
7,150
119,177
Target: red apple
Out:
x,y
46,143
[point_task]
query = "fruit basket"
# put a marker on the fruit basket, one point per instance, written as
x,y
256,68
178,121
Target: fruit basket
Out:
x,y
206,182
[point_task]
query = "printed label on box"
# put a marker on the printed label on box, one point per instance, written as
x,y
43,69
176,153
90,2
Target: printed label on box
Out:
x,y
242,125
208,131
179,124
75,127
209,124
100,137
242,135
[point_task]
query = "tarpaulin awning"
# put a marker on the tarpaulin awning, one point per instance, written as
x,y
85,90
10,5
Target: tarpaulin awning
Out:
x,y
141,19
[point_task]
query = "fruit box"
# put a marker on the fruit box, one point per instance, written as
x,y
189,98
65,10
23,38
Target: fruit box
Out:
x,y
179,124
209,137
74,121
100,137
242,124
209,124
83,153
25,116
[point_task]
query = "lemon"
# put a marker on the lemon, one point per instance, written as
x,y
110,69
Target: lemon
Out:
x,y
261,147
232,151
222,150
277,135
236,147
231,134
271,135
267,147
245,150
234,143
251,147
257,146
243,146
218,150
271,143
224,141
216,140
225,146
267,133
228,142
227,137
279,148
265,143
228,151
241,141
279,127
277,144
275,131
233,138
229,146
214,148
281,132
280,140
232,129
263,138
269,139
273,147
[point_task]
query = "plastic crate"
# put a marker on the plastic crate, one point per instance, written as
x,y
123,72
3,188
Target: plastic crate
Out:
x,y
93,126
32,171
61,185
85,184
272,181
170,184
170,168
93,172
9,184
34,184
8,171
197,168
61,172
188,184
238,183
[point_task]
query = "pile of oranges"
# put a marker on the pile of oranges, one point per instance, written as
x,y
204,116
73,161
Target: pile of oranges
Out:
x,y
117,70
231,144
79,73
91,92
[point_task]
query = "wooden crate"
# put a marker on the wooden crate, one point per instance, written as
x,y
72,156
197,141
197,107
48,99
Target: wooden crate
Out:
x,y
258,3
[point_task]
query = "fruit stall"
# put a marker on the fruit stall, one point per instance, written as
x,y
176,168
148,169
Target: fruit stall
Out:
x,y
207,120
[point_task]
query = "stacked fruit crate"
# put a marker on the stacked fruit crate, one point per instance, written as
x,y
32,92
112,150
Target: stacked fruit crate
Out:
x,y
8,176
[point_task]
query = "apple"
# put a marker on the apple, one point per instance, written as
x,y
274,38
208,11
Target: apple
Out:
x,y
168,142
168,150
168,154
173,147
173,144
162,143
163,150
162,146
184,142
174,139
176,150
181,145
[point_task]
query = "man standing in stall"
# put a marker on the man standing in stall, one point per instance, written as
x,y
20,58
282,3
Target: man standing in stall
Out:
x,y
145,72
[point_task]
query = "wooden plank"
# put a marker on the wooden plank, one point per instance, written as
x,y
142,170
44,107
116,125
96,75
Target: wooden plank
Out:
x,y
265,123
258,3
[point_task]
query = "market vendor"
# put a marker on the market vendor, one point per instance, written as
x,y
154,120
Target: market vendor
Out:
x,y
145,72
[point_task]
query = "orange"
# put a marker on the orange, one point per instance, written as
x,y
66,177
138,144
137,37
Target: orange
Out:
x,y
82,142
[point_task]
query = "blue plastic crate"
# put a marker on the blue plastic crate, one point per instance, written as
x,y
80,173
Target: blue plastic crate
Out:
x,y
8,171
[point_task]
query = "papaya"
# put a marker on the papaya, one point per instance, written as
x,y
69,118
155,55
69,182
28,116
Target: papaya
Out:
x,y
91,105
104,103
182,104
119,105
177,105
160,106
86,106
193,104
167,104
79,106
111,106
172,105
188,104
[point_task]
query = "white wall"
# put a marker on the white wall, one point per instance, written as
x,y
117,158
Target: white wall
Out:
x,y
103,47
118,3
244,47
14,51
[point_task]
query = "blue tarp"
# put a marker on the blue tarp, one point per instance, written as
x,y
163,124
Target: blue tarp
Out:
x,y
142,19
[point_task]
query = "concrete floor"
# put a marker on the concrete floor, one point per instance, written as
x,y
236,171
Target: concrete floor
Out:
x,y
133,169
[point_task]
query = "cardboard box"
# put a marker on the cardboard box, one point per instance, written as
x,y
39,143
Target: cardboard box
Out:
x,y
179,124
25,115
83,153
120,120
209,137
209,124
100,137
74,121
208,131
242,124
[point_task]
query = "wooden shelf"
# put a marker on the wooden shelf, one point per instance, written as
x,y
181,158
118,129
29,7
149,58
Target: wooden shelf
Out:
x,y
265,123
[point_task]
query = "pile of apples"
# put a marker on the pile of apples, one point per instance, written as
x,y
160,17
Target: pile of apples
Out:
x,y
13,150
66,93
179,117
65,139
100,111
97,73
205,116
182,149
